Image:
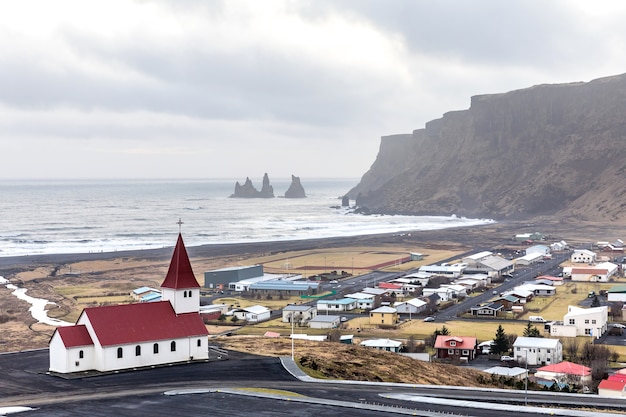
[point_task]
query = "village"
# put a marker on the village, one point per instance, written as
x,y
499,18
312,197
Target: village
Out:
x,y
565,303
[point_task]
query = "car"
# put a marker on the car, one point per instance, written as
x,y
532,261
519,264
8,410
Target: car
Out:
x,y
618,325
506,358
343,319
429,319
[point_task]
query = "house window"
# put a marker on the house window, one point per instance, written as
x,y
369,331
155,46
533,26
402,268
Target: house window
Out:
x,y
137,350
81,354
120,353
450,351
519,348
465,352
199,342
453,343
586,321
173,346
548,350
587,332
593,321
155,348
572,321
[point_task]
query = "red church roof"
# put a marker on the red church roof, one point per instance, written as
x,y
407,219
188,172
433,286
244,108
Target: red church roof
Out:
x,y
74,336
141,322
180,275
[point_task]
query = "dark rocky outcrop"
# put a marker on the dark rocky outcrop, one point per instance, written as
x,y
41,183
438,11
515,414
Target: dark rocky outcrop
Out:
x,y
247,190
295,190
545,150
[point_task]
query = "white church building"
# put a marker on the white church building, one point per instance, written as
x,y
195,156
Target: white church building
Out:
x,y
128,336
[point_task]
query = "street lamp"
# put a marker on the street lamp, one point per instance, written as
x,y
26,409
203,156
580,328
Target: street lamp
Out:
x,y
292,356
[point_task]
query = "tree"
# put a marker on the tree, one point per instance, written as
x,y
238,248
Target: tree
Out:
x,y
531,331
570,347
444,330
595,302
501,342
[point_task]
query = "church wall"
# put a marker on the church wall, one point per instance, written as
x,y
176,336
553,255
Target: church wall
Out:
x,y
183,301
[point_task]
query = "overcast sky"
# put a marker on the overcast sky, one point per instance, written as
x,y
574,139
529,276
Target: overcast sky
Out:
x,y
233,89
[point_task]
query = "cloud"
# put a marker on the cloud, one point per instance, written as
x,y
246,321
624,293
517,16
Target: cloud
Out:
x,y
225,86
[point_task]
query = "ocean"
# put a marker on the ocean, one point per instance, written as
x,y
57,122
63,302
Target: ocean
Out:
x,y
84,216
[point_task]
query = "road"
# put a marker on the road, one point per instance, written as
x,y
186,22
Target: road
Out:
x,y
263,380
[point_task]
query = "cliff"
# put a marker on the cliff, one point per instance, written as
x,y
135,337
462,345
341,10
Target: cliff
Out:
x,y
545,150
295,190
247,190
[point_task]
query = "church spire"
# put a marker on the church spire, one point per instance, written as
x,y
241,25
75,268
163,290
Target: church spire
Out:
x,y
180,275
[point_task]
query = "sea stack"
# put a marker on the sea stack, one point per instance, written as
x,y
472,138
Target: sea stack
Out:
x,y
247,190
295,190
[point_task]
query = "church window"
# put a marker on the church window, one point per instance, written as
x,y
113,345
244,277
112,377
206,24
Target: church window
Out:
x,y
81,354
137,350
185,294
155,348
119,352
199,342
173,346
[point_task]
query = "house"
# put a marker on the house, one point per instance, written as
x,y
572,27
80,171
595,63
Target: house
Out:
x,y
510,302
612,388
451,271
617,293
565,372
342,304
584,256
537,350
412,306
391,288
523,295
514,372
383,344
529,259
253,314
445,294
529,237
538,290
420,278
581,322
384,316
301,313
558,246
138,293
128,336
458,291
365,301
601,272
455,348
487,310
541,249
324,322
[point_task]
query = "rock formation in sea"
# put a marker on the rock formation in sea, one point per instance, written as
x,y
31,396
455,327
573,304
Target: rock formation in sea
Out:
x,y
247,190
557,150
295,190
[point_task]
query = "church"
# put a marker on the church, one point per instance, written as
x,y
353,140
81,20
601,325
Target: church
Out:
x,y
136,335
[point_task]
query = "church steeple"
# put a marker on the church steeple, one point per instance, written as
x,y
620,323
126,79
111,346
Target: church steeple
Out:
x,y
180,275
180,286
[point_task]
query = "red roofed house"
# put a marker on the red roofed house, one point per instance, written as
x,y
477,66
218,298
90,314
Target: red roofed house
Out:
x,y
565,372
135,335
612,388
455,347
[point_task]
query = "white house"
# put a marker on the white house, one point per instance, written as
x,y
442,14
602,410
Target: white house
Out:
x,y
538,350
538,289
253,314
582,322
583,256
343,304
301,313
324,322
383,344
452,271
541,249
136,335
363,301
601,272
445,294
412,306
528,259
558,246
617,293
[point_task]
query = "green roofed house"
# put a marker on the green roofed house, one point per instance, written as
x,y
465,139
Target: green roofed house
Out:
x,y
617,293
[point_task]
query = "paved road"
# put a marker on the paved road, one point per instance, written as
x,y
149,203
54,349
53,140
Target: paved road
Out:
x,y
23,382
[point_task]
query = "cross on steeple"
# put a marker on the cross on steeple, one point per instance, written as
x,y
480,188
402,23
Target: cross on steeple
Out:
x,y
180,224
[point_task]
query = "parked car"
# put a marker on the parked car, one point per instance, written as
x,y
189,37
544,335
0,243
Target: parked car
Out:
x,y
429,319
506,358
618,325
